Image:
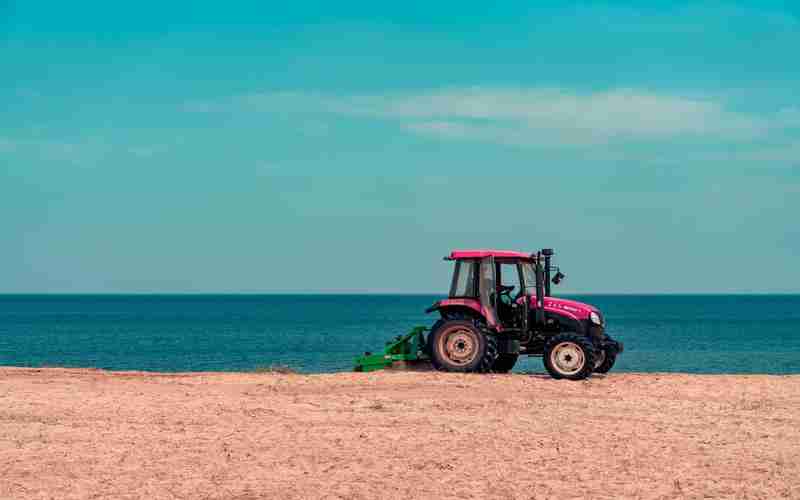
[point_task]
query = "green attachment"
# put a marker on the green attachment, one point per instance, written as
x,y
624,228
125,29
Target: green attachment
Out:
x,y
408,347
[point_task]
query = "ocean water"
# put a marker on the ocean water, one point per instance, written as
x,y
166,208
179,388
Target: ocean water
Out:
x,y
323,333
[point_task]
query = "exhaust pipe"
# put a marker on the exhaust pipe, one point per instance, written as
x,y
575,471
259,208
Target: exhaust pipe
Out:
x,y
540,290
548,254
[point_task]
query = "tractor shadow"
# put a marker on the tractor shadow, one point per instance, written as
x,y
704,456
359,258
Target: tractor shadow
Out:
x,y
546,376
539,375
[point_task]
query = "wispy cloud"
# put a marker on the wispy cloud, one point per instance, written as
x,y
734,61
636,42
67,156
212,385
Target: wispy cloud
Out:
x,y
529,116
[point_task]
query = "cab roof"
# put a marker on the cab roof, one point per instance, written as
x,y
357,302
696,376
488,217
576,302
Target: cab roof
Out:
x,y
479,254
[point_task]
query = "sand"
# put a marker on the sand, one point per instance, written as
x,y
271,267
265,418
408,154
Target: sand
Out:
x,y
69,433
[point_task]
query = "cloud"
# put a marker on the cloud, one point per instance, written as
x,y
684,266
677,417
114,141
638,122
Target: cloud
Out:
x,y
581,118
527,116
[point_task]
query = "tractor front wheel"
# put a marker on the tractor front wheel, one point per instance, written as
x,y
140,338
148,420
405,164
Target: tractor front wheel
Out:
x,y
459,346
569,356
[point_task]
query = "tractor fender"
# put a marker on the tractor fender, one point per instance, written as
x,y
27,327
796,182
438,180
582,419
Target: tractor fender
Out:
x,y
469,307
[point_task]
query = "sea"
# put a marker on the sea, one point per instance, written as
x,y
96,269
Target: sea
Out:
x,y
324,333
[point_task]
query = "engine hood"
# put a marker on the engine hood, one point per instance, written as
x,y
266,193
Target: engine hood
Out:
x,y
579,310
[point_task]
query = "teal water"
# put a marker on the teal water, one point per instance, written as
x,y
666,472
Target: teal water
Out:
x,y
323,333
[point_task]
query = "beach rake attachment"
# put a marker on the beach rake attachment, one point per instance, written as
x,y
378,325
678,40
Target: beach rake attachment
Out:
x,y
404,351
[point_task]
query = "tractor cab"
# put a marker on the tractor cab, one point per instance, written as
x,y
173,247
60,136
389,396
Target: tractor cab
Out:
x,y
498,284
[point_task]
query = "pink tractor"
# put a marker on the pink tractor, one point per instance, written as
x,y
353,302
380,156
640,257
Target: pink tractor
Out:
x,y
500,308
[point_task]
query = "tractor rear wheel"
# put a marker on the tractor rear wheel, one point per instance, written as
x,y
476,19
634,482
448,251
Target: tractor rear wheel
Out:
x,y
604,362
569,356
460,346
504,363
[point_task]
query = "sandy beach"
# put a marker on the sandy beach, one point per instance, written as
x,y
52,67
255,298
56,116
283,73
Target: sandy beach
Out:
x,y
75,433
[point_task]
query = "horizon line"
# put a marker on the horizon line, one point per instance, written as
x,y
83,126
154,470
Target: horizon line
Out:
x,y
417,294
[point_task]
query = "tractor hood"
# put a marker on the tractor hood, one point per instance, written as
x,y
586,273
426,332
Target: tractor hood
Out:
x,y
566,307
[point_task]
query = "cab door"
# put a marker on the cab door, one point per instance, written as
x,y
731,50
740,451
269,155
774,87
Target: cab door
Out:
x,y
524,308
488,291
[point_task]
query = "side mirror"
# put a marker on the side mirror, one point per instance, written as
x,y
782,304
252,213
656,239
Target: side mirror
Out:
x,y
558,277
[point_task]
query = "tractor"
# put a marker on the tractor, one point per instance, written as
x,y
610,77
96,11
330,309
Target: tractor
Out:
x,y
499,308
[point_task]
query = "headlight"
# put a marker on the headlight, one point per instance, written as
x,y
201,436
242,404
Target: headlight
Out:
x,y
595,318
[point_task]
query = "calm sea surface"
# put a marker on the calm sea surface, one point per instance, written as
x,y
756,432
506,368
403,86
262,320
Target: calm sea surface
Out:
x,y
323,333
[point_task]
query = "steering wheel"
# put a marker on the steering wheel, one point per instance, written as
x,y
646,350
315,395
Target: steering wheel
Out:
x,y
505,290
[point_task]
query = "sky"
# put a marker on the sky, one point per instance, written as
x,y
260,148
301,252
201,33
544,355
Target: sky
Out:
x,y
251,147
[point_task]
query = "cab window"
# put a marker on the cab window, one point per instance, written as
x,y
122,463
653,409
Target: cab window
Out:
x,y
464,278
509,276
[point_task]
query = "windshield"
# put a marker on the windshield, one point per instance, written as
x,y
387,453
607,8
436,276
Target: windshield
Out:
x,y
529,274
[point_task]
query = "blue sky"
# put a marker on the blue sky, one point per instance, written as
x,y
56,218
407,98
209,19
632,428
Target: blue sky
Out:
x,y
323,146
